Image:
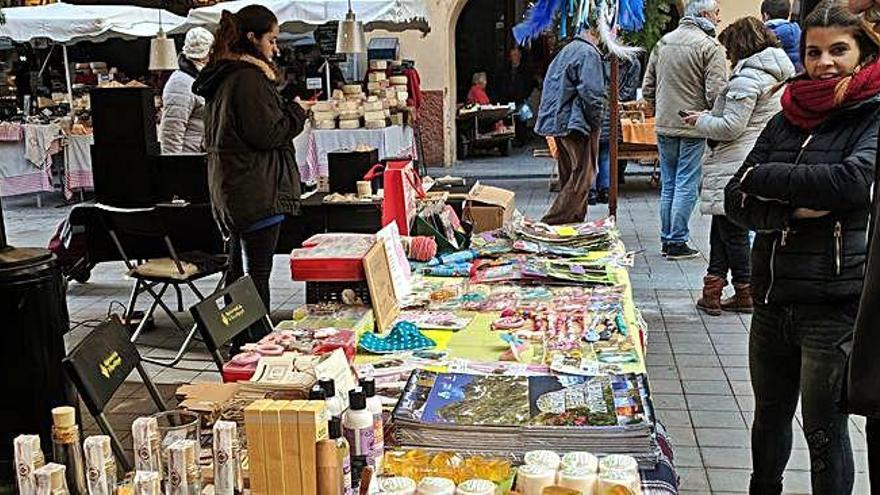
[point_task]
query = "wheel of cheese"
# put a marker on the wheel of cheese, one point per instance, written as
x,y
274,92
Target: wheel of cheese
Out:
x,y
326,124
323,106
349,124
350,115
321,116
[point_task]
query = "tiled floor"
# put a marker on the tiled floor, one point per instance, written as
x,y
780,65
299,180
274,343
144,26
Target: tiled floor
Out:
x,y
698,364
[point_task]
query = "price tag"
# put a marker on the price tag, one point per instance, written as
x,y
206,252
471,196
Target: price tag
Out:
x,y
314,83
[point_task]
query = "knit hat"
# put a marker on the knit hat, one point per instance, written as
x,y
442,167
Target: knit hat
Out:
x,y
198,43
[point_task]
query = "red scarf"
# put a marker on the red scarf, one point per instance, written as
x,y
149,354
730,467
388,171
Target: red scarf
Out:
x,y
807,103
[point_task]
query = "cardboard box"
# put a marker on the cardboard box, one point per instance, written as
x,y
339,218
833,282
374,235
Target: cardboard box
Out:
x,y
289,418
274,461
256,454
488,207
312,427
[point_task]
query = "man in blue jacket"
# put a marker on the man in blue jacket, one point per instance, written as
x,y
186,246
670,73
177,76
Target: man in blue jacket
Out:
x,y
571,112
776,14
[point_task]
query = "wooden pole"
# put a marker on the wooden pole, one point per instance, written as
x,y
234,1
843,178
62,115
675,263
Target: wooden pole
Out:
x,y
614,130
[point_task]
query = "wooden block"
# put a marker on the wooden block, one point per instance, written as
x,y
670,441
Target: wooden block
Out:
x,y
269,417
256,454
289,419
312,425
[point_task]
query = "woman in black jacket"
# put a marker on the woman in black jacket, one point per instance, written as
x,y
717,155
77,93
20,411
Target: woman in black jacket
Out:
x,y
805,188
249,131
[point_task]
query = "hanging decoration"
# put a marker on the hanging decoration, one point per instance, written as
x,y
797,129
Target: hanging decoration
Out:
x,y
606,17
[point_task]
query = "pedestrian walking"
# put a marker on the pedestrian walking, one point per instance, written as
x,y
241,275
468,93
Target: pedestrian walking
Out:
x,y
733,125
806,189
572,104
686,72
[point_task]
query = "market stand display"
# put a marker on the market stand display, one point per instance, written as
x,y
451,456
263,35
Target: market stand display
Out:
x,y
509,362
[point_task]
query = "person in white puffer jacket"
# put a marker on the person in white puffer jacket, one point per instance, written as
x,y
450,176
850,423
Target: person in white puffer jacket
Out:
x,y
182,128
733,125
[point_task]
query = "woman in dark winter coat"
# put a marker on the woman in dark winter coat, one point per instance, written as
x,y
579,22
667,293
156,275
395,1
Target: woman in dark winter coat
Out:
x,y
805,188
249,131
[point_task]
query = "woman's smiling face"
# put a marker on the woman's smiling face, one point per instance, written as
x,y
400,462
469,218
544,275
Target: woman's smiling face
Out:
x,y
830,52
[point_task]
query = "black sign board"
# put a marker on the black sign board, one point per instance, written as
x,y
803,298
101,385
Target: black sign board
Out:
x,y
228,312
325,37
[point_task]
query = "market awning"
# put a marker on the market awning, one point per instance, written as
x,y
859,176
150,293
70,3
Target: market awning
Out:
x,y
65,23
304,15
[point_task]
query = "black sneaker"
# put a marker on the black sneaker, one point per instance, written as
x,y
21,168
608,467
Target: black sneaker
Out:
x,y
603,196
680,251
664,248
591,198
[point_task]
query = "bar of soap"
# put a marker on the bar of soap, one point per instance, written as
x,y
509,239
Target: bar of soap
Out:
x,y
319,116
349,124
376,124
376,76
325,124
398,80
351,89
378,64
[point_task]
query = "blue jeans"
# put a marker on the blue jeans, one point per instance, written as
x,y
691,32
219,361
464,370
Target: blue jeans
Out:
x,y
801,351
603,177
681,162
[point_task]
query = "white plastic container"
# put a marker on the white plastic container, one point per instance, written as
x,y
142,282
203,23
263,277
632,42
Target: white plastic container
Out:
x,y
374,405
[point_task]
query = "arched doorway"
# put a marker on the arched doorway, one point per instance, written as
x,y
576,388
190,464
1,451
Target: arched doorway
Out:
x,y
482,37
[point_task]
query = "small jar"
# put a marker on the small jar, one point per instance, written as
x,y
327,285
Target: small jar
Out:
x,y
531,479
578,478
476,487
398,486
435,486
543,458
584,460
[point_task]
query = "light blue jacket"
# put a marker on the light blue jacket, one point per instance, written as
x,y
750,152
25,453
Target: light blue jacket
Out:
x,y
574,91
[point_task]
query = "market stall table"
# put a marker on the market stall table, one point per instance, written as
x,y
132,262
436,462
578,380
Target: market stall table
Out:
x,y
391,142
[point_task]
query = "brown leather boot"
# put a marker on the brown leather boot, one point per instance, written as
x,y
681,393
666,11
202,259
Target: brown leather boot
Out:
x,y
741,302
710,302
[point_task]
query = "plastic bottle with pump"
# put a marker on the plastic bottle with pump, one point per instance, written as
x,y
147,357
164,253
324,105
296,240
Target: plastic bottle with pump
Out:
x,y
357,426
374,405
335,404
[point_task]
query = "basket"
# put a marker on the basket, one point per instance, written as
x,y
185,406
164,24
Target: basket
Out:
x,y
319,292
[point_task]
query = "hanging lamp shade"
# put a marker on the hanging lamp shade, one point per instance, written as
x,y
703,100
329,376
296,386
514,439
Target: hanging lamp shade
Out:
x,y
163,55
350,37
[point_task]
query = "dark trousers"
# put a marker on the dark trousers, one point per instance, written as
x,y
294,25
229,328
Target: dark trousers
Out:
x,y
577,165
801,350
259,250
729,250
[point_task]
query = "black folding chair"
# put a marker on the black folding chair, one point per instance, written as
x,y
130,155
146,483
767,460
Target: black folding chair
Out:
x,y
98,366
144,230
228,312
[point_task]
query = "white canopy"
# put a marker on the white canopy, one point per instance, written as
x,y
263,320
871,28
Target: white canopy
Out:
x,y
65,23
298,16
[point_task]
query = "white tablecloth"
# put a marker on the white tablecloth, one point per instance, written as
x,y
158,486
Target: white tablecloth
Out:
x,y
18,175
393,141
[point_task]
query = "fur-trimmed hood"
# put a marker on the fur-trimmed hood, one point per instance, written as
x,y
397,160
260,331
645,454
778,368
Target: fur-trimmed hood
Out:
x,y
212,76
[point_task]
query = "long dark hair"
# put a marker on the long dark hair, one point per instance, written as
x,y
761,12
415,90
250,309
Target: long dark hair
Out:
x,y
746,37
231,38
834,13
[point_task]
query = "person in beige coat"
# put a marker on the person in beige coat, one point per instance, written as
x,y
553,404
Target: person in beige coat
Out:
x,y
686,72
733,125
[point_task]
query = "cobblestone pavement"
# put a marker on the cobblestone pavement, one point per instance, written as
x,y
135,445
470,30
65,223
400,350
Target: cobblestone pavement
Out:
x,y
697,364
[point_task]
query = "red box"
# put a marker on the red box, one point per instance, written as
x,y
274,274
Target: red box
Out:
x,y
331,258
